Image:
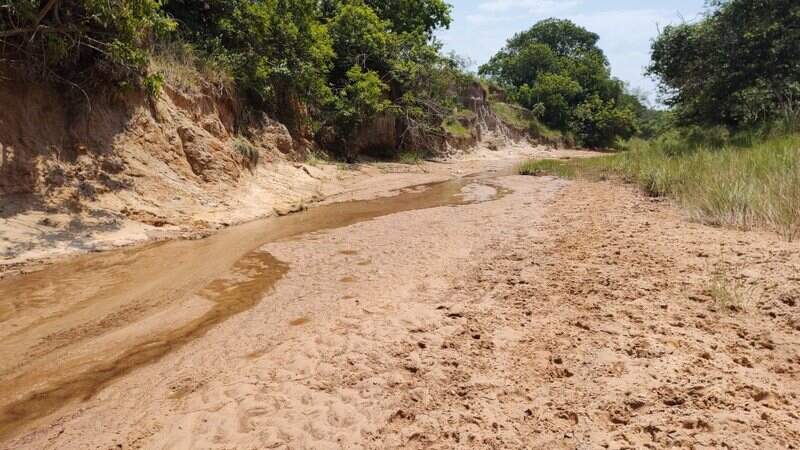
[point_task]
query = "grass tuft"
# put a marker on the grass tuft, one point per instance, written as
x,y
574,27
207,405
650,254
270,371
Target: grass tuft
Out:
x,y
249,153
513,115
547,167
409,157
316,158
455,128
731,295
456,124
730,290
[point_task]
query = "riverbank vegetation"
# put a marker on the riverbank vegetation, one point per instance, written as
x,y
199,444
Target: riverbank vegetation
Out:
x,y
326,69
728,149
752,185
320,67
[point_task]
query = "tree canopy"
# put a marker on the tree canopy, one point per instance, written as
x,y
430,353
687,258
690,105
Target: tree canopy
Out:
x,y
61,39
556,69
345,59
739,66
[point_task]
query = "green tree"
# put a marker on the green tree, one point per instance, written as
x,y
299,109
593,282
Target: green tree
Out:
x,y
361,38
519,66
362,98
275,46
599,123
555,93
736,67
61,39
405,16
392,40
562,37
557,68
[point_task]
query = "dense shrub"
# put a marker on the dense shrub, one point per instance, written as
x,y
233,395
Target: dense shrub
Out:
x,y
599,123
271,46
67,40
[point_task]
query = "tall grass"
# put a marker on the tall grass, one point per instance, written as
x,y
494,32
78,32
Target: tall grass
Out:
x,y
744,181
189,72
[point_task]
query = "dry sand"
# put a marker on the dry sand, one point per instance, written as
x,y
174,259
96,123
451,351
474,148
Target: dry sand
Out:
x,y
527,313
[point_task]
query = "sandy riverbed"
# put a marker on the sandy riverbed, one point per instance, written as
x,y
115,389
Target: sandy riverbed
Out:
x,y
519,313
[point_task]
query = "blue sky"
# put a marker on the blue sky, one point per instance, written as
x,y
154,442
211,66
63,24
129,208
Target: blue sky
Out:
x,y
481,27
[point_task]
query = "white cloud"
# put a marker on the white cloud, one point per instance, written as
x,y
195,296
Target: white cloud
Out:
x,y
485,19
625,37
543,7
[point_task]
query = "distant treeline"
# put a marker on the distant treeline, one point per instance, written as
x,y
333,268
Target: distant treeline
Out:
x,y
736,68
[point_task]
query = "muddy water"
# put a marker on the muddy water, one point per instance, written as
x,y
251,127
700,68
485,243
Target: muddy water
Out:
x,y
70,329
